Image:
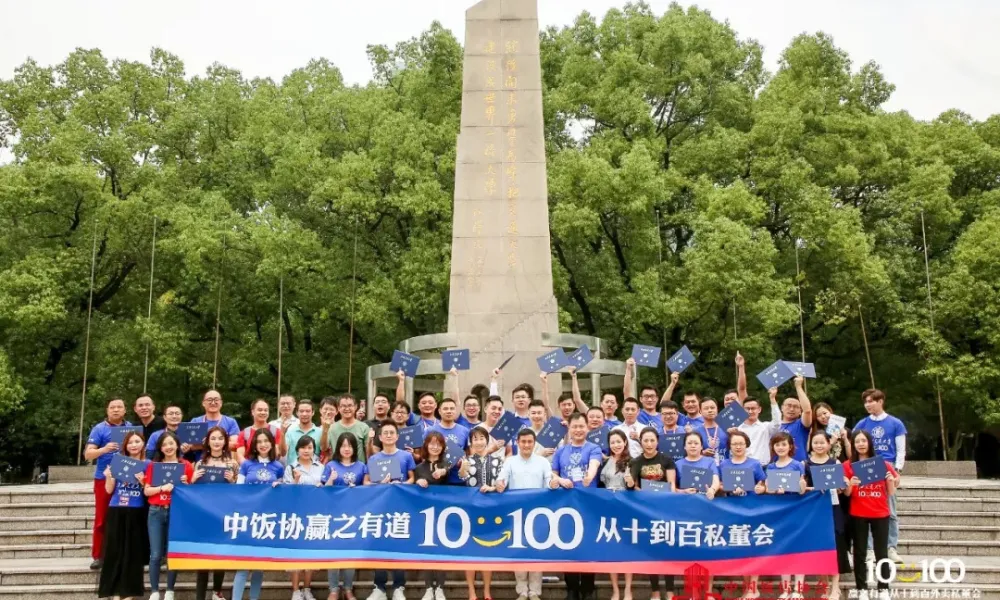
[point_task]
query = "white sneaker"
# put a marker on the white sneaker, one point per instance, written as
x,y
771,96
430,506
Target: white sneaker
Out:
x,y
522,597
894,557
154,596
883,595
168,595
439,594
428,594
870,557
796,596
377,594
862,594
399,593
217,596
308,594
297,595
784,596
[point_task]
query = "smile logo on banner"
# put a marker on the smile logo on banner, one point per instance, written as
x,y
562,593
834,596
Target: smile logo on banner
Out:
x,y
492,543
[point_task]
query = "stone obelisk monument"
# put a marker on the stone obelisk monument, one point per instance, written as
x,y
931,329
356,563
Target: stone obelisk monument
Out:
x,y
501,264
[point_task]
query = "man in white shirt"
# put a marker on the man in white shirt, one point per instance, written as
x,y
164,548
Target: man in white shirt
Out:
x,y
286,410
758,431
526,471
631,426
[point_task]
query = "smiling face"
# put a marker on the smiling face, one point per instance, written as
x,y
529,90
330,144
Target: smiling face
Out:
x,y
328,412
566,406
381,407
525,445
478,442
434,449
263,445
261,411
781,448
729,398
578,430
669,416
861,445
595,418
135,446
617,444
738,447
537,416
116,411
212,402
820,444
168,447
791,409
471,408
173,416
426,406
400,415
346,451
692,446
691,404
448,411
823,415
494,410
491,543
305,413
648,399
144,407
286,406
388,435
521,400
347,407
305,453
216,442
753,410
629,412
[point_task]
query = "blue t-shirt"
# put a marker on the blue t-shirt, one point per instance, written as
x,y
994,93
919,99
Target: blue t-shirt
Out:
x,y
256,472
525,421
752,463
406,462
99,436
464,422
457,434
799,433
684,421
572,462
228,424
704,463
793,465
153,439
413,419
653,420
354,474
883,434
718,432
129,495
612,422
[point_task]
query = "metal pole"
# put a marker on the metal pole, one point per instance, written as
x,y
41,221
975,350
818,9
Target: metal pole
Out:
x,y
281,314
218,317
930,307
149,311
666,369
86,346
864,336
354,290
798,288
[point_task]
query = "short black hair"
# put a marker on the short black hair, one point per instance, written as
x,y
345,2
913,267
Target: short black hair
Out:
x,y
630,399
492,399
576,417
567,396
526,432
669,404
536,403
647,387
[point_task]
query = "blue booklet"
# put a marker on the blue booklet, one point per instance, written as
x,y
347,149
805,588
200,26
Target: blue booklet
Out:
x,y
737,477
870,470
775,375
507,427
782,480
732,415
647,485
124,469
802,368
460,359
213,475
551,434
581,357
192,433
646,356
695,477
827,477
453,453
380,466
681,360
411,437
164,473
118,433
408,363
599,436
672,444
550,362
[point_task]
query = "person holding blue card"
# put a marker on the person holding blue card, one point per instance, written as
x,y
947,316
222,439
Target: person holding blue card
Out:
x,y
870,513
739,395
609,406
100,449
694,457
344,469
739,443
714,438
212,403
612,477
158,521
631,426
576,463
648,398
782,454
452,432
819,456
216,454
389,433
568,403
127,533
433,470
796,419
305,470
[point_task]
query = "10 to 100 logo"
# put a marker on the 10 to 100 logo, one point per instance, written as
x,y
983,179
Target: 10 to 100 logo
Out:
x,y
522,529
938,570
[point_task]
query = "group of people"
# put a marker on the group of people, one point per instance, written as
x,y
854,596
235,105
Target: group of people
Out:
x,y
132,516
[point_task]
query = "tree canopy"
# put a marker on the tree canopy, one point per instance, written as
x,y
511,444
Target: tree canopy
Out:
x,y
692,196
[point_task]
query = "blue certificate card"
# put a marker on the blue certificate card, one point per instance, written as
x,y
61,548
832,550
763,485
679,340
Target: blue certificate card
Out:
x,y
380,466
827,477
580,357
732,415
124,469
681,360
870,470
507,427
737,477
551,434
408,363
213,475
118,434
453,453
659,487
782,480
164,473
192,433
695,477
672,444
599,436
550,362
646,356
802,368
459,359
411,437
775,375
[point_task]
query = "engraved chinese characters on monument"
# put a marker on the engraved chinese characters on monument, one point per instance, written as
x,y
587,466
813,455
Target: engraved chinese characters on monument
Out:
x,y
501,272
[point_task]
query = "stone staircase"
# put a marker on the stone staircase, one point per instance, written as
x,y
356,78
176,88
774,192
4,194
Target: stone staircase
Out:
x,y
45,547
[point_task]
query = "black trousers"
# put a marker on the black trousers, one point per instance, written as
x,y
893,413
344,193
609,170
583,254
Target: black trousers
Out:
x,y
880,537
201,582
579,586
654,583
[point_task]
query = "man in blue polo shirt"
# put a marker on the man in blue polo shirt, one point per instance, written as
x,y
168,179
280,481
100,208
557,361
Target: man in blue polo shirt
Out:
x,y
101,449
889,436
212,403
797,418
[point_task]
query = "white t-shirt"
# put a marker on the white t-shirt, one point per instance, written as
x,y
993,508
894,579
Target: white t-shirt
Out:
x,y
760,434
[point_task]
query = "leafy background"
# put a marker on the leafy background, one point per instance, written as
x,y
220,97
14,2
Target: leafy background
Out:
x,y
681,176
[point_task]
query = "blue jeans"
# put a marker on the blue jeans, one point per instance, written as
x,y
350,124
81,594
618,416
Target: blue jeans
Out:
x,y
157,523
333,577
240,582
893,525
398,579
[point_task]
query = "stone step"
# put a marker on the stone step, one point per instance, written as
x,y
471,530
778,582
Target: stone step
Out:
x,y
956,533
57,492
947,504
947,549
66,536
48,509
965,519
43,551
46,523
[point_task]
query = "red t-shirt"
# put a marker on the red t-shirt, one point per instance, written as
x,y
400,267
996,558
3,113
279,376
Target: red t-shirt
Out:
x,y
870,501
243,440
163,499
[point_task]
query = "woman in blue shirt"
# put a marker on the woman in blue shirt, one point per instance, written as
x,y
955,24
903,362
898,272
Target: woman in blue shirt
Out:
x,y
739,443
261,467
782,451
127,543
343,469
693,457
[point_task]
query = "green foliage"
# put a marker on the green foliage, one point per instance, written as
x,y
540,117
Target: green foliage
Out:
x,y
685,185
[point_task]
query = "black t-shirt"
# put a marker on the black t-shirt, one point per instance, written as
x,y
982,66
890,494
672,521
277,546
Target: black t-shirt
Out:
x,y
652,469
424,470
155,425
811,463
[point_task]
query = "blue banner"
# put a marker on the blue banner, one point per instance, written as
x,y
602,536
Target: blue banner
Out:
x,y
580,530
